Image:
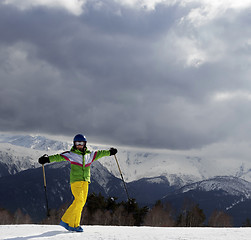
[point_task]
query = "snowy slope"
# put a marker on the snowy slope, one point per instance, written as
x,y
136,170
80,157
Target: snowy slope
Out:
x,y
21,152
34,142
180,168
15,232
137,164
232,185
14,159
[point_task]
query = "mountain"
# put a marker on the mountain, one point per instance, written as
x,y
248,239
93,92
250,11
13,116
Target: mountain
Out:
x,y
231,185
34,142
21,152
171,176
231,195
148,190
14,159
179,167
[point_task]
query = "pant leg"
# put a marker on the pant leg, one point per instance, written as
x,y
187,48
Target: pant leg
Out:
x,y
73,214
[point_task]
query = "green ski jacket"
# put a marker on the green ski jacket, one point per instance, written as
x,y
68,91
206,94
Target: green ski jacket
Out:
x,y
80,162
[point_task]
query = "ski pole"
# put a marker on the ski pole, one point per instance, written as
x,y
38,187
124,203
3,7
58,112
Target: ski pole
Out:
x,y
122,178
45,191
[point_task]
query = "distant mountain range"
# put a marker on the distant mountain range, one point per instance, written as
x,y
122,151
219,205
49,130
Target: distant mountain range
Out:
x,y
150,176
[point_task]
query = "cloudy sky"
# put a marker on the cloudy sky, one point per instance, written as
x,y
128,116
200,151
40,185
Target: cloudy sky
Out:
x,y
171,74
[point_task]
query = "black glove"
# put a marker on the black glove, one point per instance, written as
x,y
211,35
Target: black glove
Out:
x,y
113,151
44,159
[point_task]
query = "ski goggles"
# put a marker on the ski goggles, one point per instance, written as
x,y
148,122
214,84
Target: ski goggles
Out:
x,y
80,143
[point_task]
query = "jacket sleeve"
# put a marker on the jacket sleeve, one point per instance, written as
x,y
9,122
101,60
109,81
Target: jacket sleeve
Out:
x,y
56,158
102,153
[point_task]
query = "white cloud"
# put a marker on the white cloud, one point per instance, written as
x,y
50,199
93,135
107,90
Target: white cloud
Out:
x,y
145,4
203,10
73,6
227,96
207,10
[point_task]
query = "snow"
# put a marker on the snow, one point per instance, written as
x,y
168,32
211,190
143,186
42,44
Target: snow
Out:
x,y
156,180
25,232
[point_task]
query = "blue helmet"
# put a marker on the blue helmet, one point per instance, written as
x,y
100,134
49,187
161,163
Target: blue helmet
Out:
x,y
79,138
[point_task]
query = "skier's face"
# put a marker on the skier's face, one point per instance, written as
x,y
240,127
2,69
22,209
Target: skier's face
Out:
x,y
80,145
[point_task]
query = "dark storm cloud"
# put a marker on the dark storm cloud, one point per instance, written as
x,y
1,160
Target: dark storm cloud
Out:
x,y
124,75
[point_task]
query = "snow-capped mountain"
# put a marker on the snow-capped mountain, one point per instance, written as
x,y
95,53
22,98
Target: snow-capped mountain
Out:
x,y
135,164
168,175
34,142
231,195
179,168
21,152
14,159
231,185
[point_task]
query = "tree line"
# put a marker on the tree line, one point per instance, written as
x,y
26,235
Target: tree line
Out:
x,y
106,211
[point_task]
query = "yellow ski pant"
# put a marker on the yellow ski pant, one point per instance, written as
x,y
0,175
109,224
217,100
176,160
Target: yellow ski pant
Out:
x,y
73,214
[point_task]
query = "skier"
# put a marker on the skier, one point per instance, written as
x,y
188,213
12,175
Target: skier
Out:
x,y
81,159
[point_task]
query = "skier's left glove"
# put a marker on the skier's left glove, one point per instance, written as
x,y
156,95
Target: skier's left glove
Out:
x,y
44,159
113,151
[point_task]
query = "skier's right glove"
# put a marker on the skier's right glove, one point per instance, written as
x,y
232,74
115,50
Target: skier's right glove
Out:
x,y
44,159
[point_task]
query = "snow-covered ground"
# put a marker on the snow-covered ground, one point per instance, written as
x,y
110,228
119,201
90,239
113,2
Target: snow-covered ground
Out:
x,y
25,232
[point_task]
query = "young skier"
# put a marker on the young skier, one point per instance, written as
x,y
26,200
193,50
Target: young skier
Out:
x,y
81,159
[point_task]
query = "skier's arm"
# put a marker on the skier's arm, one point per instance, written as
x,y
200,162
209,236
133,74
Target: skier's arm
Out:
x,y
56,158
104,153
101,153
